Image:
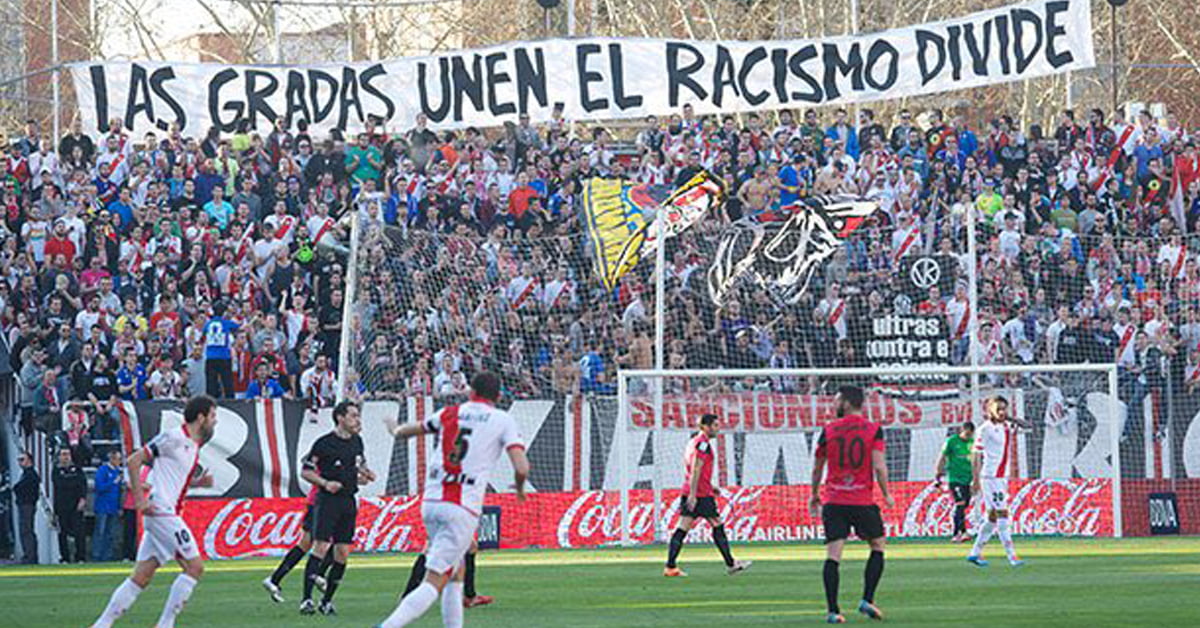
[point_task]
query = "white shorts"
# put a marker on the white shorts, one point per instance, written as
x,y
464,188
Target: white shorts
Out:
x,y
165,538
450,528
995,493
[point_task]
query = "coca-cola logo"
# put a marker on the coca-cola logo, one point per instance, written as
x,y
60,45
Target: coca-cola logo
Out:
x,y
389,524
594,517
591,519
1067,507
256,527
930,513
237,530
1041,506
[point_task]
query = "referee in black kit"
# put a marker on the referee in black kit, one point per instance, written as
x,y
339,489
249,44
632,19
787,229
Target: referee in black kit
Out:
x,y
336,466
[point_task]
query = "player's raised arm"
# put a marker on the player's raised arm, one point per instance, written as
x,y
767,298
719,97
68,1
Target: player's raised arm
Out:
x,y
408,430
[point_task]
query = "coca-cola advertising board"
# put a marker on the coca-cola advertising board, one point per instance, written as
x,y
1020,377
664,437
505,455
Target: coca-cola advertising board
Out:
x,y
238,528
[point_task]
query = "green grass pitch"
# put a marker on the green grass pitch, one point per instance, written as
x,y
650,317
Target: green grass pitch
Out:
x,y
1134,582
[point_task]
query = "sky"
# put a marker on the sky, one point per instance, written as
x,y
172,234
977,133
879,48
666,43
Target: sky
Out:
x,y
171,20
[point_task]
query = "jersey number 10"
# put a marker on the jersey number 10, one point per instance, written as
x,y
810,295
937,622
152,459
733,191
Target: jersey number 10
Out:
x,y
856,451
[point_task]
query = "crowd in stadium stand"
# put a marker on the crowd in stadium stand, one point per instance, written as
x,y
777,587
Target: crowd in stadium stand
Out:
x,y
160,266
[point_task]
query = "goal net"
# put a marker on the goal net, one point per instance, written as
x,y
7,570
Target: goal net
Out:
x,y
1066,481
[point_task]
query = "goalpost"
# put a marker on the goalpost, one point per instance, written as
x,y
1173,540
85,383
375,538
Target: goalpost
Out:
x,y
1067,480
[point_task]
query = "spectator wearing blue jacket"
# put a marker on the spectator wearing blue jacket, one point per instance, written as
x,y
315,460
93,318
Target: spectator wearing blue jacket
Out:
x,y
591,368
263,386
843,132
107,506
218,353
131,378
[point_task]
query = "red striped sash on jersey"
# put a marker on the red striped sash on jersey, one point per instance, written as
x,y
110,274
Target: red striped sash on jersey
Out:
x,y
244,244
836,315
116,163
188,481
528,290
451,464
285,225
1113,157
1002,470
991,353
1125,338
1177,268
325,227
904,246
1106,290
963,322
564,290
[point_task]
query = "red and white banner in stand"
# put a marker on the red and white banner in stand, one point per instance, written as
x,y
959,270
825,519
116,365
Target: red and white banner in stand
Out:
x,y
238,528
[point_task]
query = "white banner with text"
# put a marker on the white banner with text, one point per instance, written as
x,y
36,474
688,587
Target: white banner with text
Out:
x,y
593,78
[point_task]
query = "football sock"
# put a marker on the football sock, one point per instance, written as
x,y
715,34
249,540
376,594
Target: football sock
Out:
x,y
416,576
325,562
722,542
335,578
960,518
311,569
831,585
469,577
452,605
289,562
1006,538
181,590
121,600
985,533
871,575
675,547
412,606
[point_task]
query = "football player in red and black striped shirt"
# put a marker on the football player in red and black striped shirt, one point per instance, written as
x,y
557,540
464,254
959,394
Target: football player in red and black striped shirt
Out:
x,y
699,500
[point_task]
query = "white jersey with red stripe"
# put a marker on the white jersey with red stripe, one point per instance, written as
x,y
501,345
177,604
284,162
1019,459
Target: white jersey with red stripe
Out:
x,y
468,441
958,314
172,456
1126,347
993,441
834,310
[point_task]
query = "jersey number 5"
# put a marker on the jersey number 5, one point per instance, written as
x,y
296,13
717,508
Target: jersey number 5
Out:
x,y
460,446
856,451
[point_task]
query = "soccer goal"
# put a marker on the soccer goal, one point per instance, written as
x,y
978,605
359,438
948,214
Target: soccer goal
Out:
x,y
1067,479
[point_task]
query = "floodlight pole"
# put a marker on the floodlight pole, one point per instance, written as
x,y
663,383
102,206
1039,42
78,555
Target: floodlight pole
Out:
x,y
660,341
973,310
57,75
278,53
1115,77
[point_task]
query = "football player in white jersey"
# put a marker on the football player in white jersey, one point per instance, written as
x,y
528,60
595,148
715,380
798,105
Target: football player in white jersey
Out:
x,y
468,439
172,456
991,460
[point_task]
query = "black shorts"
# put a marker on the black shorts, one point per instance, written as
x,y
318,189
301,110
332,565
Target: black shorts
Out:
x,y
334,519
961,493
839,519
706,508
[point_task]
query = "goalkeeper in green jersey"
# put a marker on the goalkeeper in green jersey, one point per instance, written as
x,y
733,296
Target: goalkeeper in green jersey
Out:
x,y
955,464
